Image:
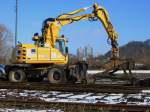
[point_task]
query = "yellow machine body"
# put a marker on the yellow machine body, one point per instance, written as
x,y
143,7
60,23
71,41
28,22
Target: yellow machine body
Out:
x,y
32,54
45,50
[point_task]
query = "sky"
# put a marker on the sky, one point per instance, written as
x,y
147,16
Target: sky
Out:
x,y
130,18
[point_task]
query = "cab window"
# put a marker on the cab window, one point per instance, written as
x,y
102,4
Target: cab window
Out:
x,y
60,45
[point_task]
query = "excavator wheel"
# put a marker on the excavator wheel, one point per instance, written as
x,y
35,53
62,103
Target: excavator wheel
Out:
x,y
72,78
16,76
55,75
82,72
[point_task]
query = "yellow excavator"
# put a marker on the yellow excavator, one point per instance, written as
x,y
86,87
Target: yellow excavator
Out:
x,y
48,56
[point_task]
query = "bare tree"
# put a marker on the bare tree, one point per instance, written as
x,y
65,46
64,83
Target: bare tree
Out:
x,y
6,44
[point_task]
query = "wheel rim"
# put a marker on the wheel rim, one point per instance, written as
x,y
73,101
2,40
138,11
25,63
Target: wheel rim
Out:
x,y
17,76
56,76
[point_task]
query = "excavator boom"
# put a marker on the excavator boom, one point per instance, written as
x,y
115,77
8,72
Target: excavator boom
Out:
x,y
98,13
103,16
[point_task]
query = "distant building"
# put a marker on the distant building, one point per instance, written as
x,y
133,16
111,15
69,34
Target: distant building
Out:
x,y
85,53
80,53
88,52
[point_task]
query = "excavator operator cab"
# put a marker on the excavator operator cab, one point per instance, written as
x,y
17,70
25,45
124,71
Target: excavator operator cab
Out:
x,y
61,45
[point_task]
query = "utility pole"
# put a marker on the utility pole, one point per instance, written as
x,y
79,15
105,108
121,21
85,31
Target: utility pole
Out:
x,y
16,22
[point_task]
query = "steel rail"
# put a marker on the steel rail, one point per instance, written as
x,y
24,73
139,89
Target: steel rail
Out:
x,y
101,88
75,107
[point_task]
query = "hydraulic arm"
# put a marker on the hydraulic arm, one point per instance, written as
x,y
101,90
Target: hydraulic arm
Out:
x,y
52,26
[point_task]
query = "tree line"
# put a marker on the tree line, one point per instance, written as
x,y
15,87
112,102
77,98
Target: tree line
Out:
x,y
6,44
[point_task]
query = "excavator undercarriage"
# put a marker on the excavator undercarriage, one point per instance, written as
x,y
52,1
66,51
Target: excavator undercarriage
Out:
x,y
52,73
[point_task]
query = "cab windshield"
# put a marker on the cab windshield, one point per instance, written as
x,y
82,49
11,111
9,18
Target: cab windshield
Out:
x,y
60,45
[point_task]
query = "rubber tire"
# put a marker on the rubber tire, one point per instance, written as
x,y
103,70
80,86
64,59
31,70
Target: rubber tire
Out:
x,y
72,76
11,76
83,72
51,76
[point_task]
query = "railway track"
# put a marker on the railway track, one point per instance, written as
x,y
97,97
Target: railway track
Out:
x,y
73,107
95,88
